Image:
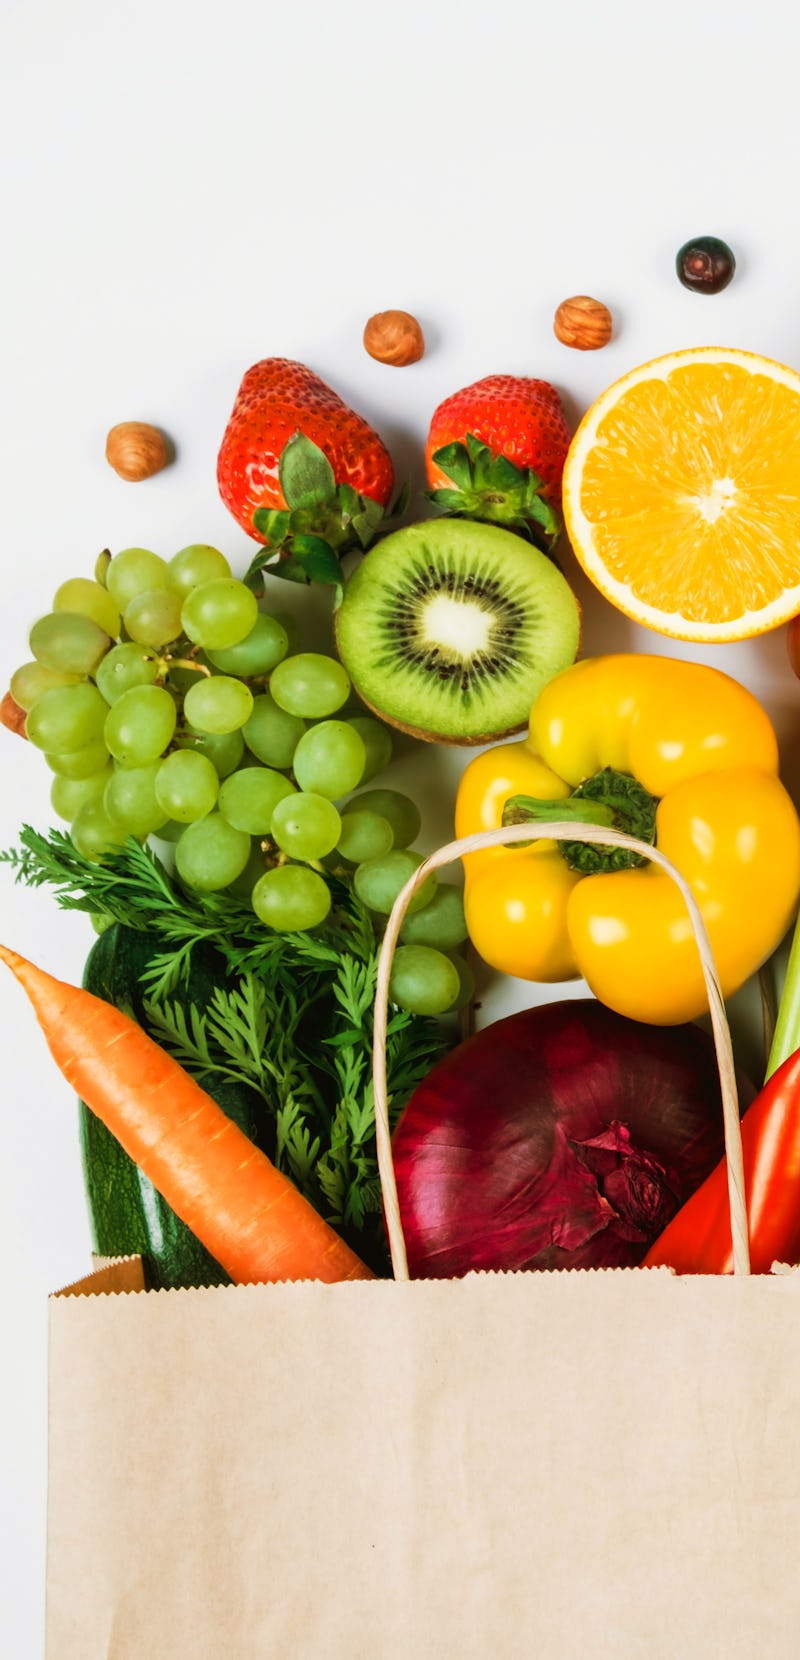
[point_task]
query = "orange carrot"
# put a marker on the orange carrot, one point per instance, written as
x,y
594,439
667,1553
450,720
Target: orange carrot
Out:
x,y
250,1216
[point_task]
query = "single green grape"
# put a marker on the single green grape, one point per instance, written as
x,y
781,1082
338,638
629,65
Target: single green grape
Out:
x,y
258,653
153,617
466,989
195,564
291,898
101,565
292,629
225,751
94,833
186,785
248,798
329,759
271,734
402,813
90,599
364,836
170,832
378,881
310,685
219,613
68,795
66,718
31,679
139,726
242,888
440,923
377,741
305,826
423,981
211,853
79,763
218,704
125,666
134,571
130,799
68,643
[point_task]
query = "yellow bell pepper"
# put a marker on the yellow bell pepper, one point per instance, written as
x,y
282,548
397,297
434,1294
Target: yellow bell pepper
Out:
x,y
675,753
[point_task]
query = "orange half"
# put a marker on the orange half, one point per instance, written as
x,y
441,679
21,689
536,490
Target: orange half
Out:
x,y
682,494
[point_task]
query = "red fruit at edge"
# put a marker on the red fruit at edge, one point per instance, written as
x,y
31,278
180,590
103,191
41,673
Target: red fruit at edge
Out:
x,y
517,417
276,399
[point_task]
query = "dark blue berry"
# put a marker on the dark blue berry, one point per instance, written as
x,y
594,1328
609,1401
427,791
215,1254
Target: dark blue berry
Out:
x,y
705,264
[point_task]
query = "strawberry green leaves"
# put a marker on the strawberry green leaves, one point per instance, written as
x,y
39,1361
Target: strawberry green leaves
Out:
x,y
321,522
489,487
309,559
306,475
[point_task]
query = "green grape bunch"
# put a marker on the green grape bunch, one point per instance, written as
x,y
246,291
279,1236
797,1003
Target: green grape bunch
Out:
x,y
169,703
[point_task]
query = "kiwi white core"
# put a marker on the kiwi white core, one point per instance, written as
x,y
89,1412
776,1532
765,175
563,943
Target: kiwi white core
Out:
x,y
461,626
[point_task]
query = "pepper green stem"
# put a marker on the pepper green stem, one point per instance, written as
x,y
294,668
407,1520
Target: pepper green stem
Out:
x,y
611,798
528,809
786,1037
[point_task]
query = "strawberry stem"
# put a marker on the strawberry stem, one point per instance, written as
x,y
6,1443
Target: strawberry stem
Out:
x,y
321,522
490,488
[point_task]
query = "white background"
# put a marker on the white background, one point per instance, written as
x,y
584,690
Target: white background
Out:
x,y
188,188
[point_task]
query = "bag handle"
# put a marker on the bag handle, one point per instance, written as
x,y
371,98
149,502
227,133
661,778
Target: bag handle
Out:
x,y
561,831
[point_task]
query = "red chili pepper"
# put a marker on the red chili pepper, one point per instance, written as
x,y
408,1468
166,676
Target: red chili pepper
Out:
x,y
698,1239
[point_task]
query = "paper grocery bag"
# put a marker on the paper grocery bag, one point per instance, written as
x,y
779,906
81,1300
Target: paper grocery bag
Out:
x,y
512,1467
540,1466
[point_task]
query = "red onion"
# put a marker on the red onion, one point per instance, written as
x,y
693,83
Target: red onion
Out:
x,y
565,1136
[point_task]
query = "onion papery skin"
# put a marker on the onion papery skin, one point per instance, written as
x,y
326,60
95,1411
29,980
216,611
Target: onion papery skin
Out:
x,y
564,1136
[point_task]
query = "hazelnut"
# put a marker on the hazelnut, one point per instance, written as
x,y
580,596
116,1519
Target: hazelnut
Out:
x,y
136,450
394,337
583,323
12,716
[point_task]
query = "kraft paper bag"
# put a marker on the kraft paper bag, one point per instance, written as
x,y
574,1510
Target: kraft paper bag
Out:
x,y
523,1466
510,1467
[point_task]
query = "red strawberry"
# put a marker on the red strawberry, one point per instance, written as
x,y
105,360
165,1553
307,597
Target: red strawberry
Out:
x,y
519,418
276,400
496,452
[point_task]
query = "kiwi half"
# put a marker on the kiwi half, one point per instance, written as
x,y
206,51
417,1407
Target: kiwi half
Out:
x,y
449,629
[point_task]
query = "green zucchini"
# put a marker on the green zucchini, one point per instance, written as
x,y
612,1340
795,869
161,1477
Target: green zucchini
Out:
x,y
127,1215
